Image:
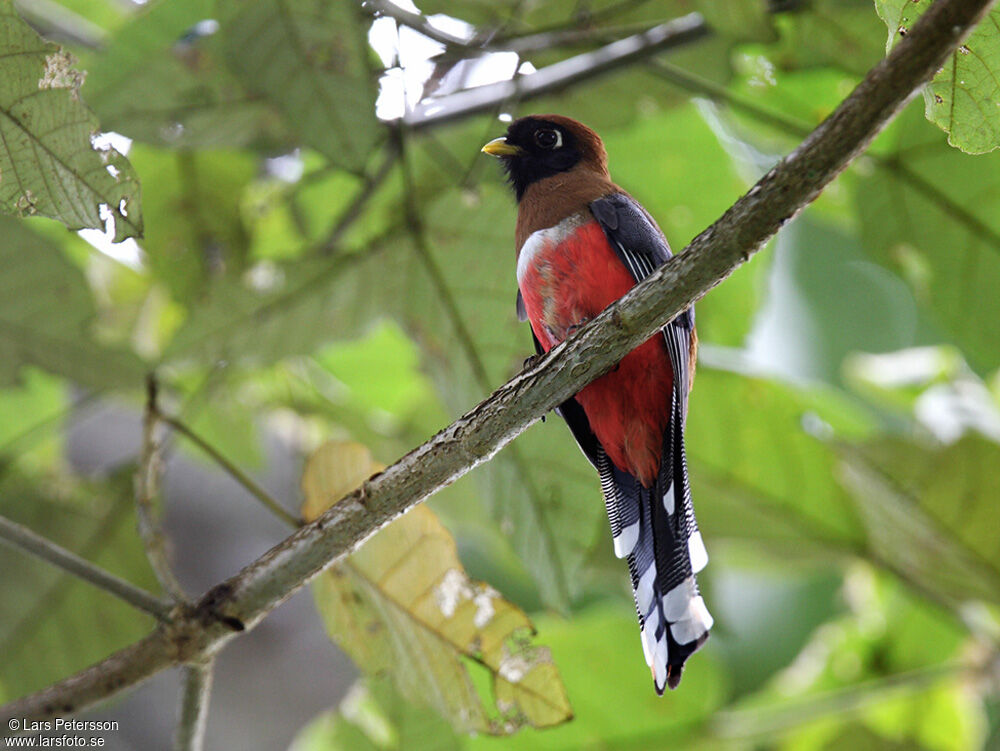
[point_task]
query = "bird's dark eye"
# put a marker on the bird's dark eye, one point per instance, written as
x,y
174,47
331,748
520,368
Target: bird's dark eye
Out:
x,y
548,138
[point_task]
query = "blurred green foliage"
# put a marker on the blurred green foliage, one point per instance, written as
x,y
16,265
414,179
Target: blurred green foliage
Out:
x,y
302,260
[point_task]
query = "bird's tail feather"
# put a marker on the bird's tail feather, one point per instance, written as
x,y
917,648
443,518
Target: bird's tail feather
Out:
x,y
654,529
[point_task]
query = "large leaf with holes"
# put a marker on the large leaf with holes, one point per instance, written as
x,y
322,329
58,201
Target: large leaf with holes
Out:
x,y
403,605
931,511
48,164
308,58
53,624
963,99
932,215
46,311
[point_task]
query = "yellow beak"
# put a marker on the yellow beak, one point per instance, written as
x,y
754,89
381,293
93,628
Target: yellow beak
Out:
x,y
500,147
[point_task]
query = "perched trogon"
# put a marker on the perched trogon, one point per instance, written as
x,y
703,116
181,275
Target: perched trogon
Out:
x,y
582,243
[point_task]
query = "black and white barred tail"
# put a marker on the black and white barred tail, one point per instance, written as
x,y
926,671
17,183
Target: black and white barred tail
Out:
x,y
654,529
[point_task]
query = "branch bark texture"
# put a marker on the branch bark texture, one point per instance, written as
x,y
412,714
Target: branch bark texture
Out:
x,y
198,632
197,687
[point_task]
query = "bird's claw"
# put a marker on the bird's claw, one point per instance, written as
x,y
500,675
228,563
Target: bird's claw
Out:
x,y
573,328
530,362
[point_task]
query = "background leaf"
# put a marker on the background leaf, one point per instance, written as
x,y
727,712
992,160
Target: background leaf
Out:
x,y
938,228
51,328
928,512
54,624
309,59
372,716
164,80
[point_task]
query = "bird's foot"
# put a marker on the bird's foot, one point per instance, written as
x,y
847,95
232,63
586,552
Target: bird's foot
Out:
x,y
572,329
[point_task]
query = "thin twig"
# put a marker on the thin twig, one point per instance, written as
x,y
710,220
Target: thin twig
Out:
x,y
147,484
767,722
535,42
417,22
56,22
355,210
197,689
232,470
30,542
559,75
242,601
544,41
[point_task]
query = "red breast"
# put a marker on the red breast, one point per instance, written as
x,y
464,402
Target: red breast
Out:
x,y
567,275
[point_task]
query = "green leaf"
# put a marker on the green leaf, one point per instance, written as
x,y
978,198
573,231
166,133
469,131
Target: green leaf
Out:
x,y
760,468
281,310
74,21
46,310
48,164
745,20
381,371
53,624
163,82
332,731
932,215
403,605
607,680
891,648
836,33
808,325
374,716
309,59
765,615
929,511
963,99
38,401
943,717
193,206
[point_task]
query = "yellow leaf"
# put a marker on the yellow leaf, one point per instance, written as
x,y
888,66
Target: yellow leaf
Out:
x,y
333,471
403,605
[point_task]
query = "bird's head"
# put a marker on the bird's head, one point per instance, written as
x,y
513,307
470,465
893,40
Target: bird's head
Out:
x,y
540,146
